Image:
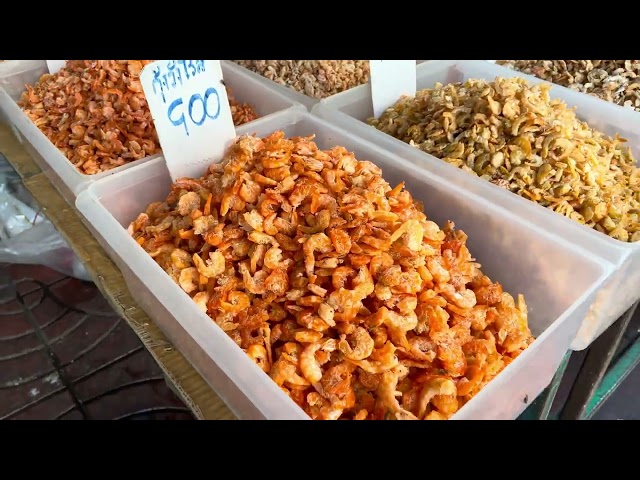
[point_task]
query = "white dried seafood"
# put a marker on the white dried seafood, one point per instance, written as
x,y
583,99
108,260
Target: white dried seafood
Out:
x,y
314,78
615,81
516,136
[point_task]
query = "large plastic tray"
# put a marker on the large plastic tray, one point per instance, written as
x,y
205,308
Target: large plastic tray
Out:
x,y
65,177
351,109
294,95
558,280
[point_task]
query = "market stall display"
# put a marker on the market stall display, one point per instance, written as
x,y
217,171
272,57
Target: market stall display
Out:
x,y
352,109
615,81
557,306
96,113
110,150
335,284
315,271
518,137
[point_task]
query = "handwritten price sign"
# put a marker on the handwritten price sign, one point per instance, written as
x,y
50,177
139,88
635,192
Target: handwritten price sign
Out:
x,y
190,108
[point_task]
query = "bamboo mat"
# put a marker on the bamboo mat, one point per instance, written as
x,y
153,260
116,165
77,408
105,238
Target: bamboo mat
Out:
x,y
181,376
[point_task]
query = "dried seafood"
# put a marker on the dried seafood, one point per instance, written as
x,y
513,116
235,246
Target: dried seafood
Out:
x,y
615,81
514,135
314,78
96,113
335,284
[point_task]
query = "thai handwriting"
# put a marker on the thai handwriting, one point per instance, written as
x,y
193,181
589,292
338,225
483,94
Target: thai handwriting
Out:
x,y
173,74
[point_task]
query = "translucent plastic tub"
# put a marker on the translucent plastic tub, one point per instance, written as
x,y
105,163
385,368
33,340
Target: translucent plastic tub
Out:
x,y
66,178
294,95
351,109
10,67
558,280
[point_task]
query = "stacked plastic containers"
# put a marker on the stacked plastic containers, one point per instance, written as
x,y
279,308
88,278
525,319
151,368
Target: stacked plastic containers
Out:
x,y
66,178
350,110
560,276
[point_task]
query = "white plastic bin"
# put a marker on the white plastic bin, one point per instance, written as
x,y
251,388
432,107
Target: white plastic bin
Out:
x,y
351,109
65,177
558,280
294,95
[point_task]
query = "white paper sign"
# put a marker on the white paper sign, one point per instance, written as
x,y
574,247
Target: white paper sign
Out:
x,y
55,65
390,79
191,112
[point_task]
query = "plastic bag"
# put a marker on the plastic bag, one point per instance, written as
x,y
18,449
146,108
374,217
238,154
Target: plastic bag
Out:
x,y
27,236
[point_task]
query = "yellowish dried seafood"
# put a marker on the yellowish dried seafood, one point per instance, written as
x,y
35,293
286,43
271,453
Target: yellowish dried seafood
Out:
x,y
515,136
615,81
314,78
96,113
336,285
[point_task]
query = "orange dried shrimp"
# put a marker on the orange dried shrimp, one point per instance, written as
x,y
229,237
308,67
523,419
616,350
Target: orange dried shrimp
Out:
x,y
96,113
335,284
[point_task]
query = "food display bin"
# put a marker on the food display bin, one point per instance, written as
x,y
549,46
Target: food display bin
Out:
x,y
558,279
9,67
294,95
351,109
63,175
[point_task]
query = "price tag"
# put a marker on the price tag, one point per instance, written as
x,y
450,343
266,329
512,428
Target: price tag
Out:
x,y
390,79
191,112
55,65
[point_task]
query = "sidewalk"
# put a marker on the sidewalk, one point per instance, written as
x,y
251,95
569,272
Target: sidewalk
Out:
x,y
66,355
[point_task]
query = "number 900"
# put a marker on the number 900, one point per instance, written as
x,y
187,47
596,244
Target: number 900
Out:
x,y
199,108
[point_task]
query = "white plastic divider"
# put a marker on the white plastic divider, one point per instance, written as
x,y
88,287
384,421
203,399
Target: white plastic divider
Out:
x,y
559,281
351,109
63,175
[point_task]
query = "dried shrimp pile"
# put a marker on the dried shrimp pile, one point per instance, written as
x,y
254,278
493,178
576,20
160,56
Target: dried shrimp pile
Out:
x,y
335,284
96,113
515,136
615,81
314,78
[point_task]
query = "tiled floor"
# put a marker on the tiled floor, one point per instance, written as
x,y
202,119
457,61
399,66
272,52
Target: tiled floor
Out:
x,y
64,354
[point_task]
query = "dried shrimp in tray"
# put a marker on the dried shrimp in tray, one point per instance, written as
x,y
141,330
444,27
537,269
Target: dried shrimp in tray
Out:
x,y
567,151
91,119
312,281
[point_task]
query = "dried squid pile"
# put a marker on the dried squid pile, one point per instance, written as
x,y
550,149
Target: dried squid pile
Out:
x,y
96,113
335,284
615,81
515,136
314,78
